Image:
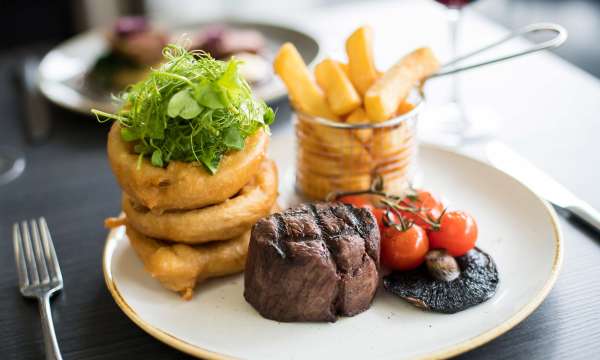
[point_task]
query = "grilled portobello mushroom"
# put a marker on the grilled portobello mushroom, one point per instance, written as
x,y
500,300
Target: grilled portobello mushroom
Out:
x,y
445,284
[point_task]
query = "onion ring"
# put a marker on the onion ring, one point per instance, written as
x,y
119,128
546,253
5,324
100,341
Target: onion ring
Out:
x,y
179,267
182,185
223,221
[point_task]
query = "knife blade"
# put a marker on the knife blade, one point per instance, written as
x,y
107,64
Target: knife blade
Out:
x,y
508,161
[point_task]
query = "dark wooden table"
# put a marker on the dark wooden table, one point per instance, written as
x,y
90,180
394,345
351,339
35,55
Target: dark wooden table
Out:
x,y
68,180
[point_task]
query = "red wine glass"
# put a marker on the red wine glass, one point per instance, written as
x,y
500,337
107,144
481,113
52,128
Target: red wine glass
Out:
x,y
456,125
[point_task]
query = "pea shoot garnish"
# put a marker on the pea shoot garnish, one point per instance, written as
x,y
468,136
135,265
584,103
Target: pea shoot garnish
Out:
x,y
192,108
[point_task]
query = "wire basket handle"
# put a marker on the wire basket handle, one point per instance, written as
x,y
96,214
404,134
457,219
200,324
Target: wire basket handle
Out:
x,y
560,37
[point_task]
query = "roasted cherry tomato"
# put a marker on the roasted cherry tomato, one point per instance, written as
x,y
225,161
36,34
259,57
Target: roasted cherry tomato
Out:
x,y
431,208
404,250
361,201
457,233
379,213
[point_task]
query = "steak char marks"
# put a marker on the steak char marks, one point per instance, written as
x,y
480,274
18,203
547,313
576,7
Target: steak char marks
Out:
x,y
313,262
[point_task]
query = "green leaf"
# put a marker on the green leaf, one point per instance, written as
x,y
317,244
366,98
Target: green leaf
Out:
x,y
269,116
155,128
208,95
211,163
156,159
128,135
183,104
207,116
233,139
230,80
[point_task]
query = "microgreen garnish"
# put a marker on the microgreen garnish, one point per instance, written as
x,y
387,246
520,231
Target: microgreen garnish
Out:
x,y
193,108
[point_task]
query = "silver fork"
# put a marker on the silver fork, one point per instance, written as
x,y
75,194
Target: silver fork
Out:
x,y
39,273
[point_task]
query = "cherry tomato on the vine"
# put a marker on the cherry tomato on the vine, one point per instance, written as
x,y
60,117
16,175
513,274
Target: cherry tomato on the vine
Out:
x,y
404,250
457,233
361,201
379,213
430,208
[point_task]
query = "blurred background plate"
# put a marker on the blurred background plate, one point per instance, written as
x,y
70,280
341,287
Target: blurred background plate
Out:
x,y
63,71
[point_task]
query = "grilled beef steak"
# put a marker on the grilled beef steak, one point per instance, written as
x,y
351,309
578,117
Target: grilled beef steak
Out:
x,y
313,262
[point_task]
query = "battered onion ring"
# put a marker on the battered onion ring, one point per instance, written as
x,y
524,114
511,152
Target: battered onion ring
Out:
x,y
183,185
179,267
223,221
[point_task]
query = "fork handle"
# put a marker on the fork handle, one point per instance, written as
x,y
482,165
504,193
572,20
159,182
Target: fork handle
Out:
x,y
50,342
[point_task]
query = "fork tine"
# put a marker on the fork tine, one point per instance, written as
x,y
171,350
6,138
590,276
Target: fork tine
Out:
x,y
20,256
51,259
30,260
40,257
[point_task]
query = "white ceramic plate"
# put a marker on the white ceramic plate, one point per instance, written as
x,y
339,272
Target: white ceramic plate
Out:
x,y
516,227
62,72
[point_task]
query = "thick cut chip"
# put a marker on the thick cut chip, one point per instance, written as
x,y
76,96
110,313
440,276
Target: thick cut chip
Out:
x,y
341,95
361,64
404,108
335,141
303,91
344,67
388,92
359,116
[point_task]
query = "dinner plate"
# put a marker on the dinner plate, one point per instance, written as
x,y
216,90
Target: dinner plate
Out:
x,y
62,72
516,227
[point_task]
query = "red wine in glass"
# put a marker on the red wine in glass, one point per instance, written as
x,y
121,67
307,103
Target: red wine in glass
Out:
x,y
455,3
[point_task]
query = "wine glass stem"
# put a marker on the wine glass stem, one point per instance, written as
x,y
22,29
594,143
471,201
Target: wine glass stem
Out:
x,y
453,27
454,22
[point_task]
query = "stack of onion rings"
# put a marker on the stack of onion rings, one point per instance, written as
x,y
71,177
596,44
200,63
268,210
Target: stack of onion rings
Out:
x,y
186,224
